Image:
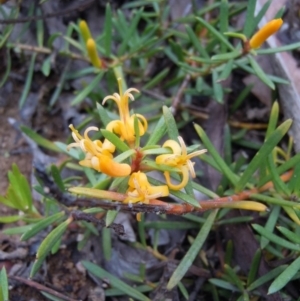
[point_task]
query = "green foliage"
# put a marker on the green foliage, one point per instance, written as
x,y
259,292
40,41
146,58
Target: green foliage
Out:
x,y
18,195
3,285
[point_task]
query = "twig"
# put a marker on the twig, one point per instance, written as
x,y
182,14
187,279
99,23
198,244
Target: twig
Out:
x,y
177,98
43,288
160,207
81,216
45,50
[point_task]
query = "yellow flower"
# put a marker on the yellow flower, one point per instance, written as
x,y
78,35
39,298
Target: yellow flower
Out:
x,y
264,33
180,159
140,190
125,126
98,155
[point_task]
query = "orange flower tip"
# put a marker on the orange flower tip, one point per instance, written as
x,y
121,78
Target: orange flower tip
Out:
x,y
114,169
264,33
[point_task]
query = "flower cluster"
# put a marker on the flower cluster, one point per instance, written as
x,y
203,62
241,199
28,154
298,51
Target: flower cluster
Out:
x,y
99,155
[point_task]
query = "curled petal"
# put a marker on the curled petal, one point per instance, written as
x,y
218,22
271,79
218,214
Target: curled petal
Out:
x,y
115,97
107,145
75,134
174,146
182,184
190,166
196,153
90,128
144,121
183,146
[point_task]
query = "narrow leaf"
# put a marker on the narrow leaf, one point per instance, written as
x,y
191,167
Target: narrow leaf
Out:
x,y
171,124
215,33
261,155
47,245
28,82
4,284
190,256
114,139
114,281
158,132
275,238
39,226
39,140
108,30
260,73
284,278
233,178
87,90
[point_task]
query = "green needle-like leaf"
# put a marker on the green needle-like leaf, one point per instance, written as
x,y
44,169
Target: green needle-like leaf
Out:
x,y
28,82
171,124
114,281
114,139
158,132
215,33
39,140
284,278
3,285
47,245
42,224
87,90
275,238
263,153
108,30
250,22
190,256
233,178
265,278
260,73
